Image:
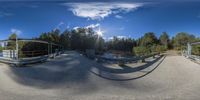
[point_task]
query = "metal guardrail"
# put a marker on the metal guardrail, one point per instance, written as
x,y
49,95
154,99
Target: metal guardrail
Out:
x,y
192,57
28,60
124,59
24,60
27,57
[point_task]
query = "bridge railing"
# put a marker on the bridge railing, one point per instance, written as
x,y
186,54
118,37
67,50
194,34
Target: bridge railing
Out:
x,y
192,57
124,59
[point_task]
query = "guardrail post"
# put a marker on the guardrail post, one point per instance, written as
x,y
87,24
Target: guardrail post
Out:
x,y
189,49
16,48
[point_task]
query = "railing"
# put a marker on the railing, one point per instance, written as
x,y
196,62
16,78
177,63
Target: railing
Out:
x,y
192,57
28,57
124,59
33,53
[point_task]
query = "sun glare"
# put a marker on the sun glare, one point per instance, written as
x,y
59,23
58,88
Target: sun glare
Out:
x,y
99,32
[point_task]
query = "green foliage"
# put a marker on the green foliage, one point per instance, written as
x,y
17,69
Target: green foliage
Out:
x,y
12,44
164,40
149,39
196,50
121,44
160,48
181,40
141,50
52,36
13,36
77,39
84,38
1,49
65,39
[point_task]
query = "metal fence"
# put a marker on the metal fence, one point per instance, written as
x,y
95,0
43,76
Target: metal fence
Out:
x,y
19,57
125,59
192,57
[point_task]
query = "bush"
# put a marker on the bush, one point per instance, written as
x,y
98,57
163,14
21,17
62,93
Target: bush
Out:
x,y
141,51
196,50
1,49
160,49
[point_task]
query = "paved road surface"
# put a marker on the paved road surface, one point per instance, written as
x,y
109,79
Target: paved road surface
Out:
x,y
70,78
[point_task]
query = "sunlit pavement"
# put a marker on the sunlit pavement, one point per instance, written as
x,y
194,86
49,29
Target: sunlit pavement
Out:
x,y
70,77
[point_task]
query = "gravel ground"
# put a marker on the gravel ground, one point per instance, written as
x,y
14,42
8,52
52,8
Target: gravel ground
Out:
x,y
69,77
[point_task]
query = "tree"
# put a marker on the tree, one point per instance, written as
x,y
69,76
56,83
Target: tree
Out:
x,y
53,36
196,50
65,39
121,44
164,40
141,51
149,39
160,49
1,48
181,40
13,36
12,44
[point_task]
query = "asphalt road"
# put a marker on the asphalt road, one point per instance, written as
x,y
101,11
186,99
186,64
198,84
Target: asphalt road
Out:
x,y
74,77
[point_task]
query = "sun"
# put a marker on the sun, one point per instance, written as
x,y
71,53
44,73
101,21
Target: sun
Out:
x,y
99,32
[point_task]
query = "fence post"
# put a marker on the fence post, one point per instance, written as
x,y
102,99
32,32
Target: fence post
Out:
x,y
189,49
16,48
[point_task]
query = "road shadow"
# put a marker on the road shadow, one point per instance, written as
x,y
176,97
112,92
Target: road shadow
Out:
x,y
70,69
71,72
115,73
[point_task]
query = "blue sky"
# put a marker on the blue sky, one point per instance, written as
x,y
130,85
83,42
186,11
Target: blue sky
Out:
x,y
114,18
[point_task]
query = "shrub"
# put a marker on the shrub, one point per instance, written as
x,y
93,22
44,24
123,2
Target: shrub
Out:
x,y
160,49
1,49
141,51
196,50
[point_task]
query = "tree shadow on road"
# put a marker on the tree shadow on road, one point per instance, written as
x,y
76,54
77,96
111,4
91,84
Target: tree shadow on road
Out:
x,y
68,72
70,69
114,74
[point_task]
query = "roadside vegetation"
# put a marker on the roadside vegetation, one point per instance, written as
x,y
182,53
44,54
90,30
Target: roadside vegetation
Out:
x,y
82,39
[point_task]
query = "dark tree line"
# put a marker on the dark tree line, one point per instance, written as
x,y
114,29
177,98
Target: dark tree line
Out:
x,y
77,39
83,38
121,44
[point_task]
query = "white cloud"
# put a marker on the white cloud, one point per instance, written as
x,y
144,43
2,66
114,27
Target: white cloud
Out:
x,y
119,37
76,27
118,16
121,28
96,28
99,10
59,25
5,14
16,31
93,25
68,26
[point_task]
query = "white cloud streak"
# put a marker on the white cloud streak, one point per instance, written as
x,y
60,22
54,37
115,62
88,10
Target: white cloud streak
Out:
x,y
119,37
118,16
93,25
99,10
59,25
16,31
76,27
121,28
5,14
